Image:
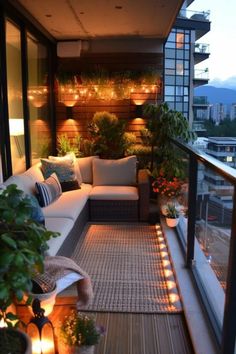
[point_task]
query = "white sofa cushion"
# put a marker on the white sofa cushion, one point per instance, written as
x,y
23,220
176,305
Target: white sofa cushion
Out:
x,y
86,169
26,181
61,225
114,193
69,204
121,172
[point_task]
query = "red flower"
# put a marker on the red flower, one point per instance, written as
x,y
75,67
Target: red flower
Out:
x,y
169,188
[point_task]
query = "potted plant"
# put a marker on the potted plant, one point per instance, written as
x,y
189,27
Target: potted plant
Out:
x,y
108,135
80,332
22,245
172,215
163,125
168,191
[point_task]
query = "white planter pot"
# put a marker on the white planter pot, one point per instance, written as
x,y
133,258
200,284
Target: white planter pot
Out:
x,y
172,222
47,300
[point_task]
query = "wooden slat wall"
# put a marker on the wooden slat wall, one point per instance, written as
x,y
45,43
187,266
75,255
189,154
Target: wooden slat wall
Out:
x,y
83,111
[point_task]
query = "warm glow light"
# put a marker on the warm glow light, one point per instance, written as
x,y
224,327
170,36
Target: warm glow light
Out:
x,y
164,254
16,126
3,323
138,102
168,273
171,284
165,262
42,346
174,298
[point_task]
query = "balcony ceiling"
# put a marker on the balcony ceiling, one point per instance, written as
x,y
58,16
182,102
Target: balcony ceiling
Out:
x,y
88,19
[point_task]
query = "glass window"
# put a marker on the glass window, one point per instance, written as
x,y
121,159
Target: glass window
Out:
x,y
169,71
170,45
169,90
170,63
179,67
170,53
169,98
179,80
38,99
179,40
15,104
171,37
180,54
179,106
169,80
179,90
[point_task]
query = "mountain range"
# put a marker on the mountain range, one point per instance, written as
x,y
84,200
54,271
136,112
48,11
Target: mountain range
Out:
x,y
223,95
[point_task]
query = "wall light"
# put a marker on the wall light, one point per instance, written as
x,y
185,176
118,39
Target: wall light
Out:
x,y
139,111
41,331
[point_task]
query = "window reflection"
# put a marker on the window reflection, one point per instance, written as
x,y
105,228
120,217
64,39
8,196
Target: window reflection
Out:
x,y
38,99
15,104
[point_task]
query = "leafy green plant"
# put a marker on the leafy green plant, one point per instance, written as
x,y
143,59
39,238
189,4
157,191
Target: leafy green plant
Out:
x,y
22,246
163,125
108,135
65,144
80,329
171,211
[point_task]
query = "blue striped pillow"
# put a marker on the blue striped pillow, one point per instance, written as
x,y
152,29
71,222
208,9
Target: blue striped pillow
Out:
x,y
48,190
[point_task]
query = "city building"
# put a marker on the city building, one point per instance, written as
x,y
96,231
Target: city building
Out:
x,y
183,52
201,113
218,112
233,111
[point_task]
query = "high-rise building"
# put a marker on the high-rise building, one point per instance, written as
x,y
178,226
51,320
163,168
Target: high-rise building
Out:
x,y
218,112
182,53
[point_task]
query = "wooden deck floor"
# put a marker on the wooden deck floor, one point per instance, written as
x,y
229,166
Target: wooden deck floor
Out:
x,y
129,333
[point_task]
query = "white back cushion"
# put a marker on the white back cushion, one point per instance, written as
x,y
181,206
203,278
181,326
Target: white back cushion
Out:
x,y
120,172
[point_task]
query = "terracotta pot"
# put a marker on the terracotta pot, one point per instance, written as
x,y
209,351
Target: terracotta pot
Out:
x,y
172,222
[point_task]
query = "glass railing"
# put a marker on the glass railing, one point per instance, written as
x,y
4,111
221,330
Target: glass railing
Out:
x,y
194,15
208,235
201,74
200,100
201,48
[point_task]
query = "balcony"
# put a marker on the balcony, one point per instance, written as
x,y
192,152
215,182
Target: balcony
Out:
x,y
201,77
208,240
201,52
199,21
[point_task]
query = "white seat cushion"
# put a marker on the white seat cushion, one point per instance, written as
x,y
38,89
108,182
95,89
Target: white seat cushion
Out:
x,y
69,204
114,193
61,225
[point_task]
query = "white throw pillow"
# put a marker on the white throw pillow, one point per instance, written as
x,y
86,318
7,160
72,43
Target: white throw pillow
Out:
x,y
120,172
69,156
86,169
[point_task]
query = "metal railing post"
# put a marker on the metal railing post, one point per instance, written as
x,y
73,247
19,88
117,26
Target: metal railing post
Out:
x,y
192,199
229,324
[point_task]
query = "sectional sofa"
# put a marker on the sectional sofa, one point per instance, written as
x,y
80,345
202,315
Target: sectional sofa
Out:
x,y
107,190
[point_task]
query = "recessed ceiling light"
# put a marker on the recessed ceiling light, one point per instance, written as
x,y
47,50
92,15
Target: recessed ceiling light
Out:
x,y
118,7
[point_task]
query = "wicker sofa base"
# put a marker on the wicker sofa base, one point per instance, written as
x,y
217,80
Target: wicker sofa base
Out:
x,y
113,210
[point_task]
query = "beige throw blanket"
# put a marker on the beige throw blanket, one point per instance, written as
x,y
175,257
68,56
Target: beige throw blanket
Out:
x,y
57,267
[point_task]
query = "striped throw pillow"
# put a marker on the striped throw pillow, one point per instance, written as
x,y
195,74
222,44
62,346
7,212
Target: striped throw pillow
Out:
x,y
48,190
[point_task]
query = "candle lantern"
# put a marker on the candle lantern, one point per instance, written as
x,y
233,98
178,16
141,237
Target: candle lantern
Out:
x,y
41,331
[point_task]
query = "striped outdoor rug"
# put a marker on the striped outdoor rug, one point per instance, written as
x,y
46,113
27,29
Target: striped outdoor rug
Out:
x,y
129,268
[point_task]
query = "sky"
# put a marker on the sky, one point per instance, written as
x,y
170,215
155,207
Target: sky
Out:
x,y
221,38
